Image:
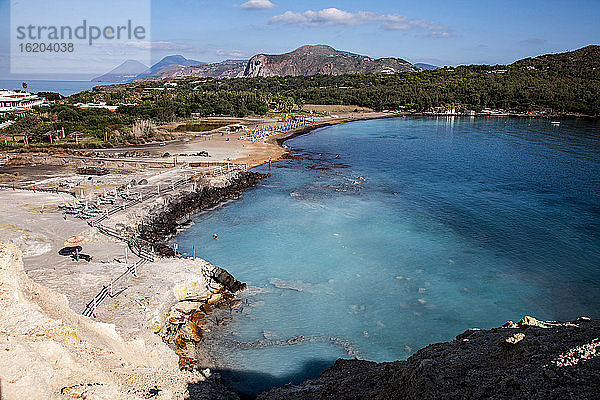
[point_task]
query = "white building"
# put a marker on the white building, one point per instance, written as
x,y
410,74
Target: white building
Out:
x,y
84,106
11,101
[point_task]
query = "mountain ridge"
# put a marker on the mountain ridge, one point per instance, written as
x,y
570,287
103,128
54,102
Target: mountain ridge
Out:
x,y
425,66
325,60
321,60
166,62
303,61
584,59
223,69
124,72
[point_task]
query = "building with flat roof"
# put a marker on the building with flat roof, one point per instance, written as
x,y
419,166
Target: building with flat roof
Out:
x,y
14,102
85,106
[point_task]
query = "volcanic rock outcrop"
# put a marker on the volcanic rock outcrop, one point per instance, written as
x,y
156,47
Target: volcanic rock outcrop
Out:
x,y
530,359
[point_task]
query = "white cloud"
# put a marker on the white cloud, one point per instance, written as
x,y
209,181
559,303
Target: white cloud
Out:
x,y
335,16
400,22
326,16
231,53
437,35
147,45
163,45
258,5
534,41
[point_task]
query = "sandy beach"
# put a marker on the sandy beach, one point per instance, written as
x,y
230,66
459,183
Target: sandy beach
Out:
x,y
222,146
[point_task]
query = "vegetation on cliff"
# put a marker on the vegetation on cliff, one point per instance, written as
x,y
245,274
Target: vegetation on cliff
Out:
x,y
557,84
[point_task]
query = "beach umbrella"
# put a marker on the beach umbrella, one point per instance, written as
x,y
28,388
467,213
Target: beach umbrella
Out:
x,y
74,241
67,251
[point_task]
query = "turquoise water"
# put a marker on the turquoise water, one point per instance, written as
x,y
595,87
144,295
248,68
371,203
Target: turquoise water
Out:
x,y
65,88
384,236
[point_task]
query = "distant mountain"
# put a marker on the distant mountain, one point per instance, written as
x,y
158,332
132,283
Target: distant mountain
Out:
x,y
306,60
325,60
424,66
584,59
165,63
123,73
322,60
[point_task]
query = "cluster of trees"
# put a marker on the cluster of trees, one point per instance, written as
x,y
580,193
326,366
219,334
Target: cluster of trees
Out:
x,y
474,87
517,87
528,85
96,125
168,106
99,124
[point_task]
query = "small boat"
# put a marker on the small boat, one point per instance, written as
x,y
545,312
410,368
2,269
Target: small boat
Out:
x,y
555,123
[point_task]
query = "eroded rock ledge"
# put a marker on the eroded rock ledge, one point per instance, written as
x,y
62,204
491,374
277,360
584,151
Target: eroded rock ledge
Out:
x,y
164,224
186,321
530,359
48,351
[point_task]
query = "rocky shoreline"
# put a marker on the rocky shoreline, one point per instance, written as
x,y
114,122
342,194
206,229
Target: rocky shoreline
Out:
x,y
49,351
163,224
187,319
156,315
181,299
530,359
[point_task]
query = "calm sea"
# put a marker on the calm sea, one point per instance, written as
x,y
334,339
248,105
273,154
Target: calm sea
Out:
x,y
384,236
65,88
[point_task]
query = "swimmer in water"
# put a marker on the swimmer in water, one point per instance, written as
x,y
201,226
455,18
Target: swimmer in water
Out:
x,y
215,236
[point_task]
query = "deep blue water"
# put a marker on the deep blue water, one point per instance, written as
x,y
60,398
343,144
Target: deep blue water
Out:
x,y
65,88
385,236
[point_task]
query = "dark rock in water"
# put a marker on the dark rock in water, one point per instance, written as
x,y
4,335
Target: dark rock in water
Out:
x,y
183,328
211,389
164,251
226,279
143,182
527,360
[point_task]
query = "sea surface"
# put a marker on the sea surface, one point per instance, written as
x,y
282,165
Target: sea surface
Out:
x,y
380,237
65,88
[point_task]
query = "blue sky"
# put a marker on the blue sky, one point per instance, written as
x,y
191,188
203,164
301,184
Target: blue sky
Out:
x,y
437,32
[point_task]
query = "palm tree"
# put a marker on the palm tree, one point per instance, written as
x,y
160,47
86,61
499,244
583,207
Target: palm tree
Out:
x,y
24,84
